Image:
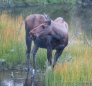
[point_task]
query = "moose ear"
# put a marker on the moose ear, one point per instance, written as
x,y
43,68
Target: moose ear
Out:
x,y
48,22
47,19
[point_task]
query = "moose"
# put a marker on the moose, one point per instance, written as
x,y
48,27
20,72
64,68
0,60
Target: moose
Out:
x,y
46,33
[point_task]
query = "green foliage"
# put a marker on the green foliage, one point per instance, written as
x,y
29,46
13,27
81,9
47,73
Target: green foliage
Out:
x,y
13,3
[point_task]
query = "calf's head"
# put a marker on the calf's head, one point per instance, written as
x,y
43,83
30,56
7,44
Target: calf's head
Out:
x,y
43,29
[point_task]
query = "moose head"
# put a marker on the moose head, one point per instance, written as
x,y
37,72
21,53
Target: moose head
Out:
x,y
43,29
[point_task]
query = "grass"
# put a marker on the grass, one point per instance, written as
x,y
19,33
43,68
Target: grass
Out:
x,y
75,72
11,40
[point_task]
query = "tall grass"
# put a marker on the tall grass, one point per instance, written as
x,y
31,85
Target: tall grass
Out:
x,y
75,72
12,46
12,42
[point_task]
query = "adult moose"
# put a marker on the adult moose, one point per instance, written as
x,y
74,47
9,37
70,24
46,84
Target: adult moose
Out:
x,y
31,22
55,34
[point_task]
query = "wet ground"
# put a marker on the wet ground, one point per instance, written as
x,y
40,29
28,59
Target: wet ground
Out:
x,y
18,78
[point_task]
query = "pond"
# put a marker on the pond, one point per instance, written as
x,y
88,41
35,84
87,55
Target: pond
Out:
x,y
78,18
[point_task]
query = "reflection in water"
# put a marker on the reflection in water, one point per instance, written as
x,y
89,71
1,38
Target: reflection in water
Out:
x,y
7,80
10,82
35,79
21,78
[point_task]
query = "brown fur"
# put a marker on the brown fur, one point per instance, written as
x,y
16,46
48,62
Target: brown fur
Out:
x,y
34,20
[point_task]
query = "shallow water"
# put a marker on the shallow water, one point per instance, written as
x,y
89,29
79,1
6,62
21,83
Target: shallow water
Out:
x,y
7,80
18,78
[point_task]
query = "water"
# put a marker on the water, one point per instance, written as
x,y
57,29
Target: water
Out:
x,y
79,20
7,80
18,78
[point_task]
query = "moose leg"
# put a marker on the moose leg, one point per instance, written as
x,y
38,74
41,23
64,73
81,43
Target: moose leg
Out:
x,y
28,44
28,53
35,48
59,51
49,54
49,48
57,54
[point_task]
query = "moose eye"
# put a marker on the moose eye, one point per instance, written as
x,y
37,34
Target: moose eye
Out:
x,y
43,27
